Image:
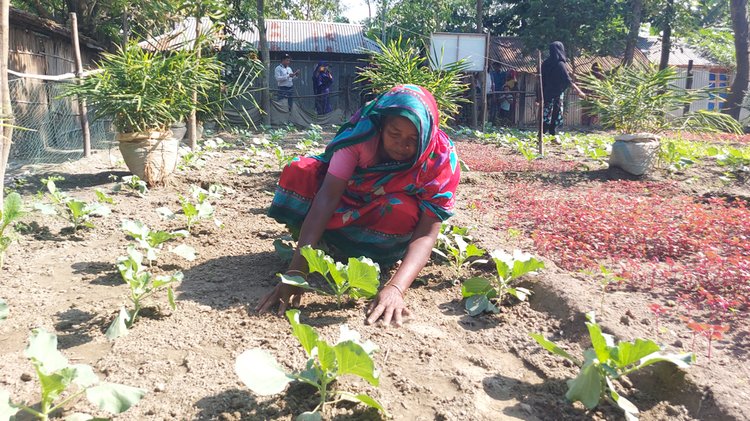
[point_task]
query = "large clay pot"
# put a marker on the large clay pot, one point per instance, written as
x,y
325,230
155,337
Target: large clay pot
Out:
x,y
152,156
179,130
635,153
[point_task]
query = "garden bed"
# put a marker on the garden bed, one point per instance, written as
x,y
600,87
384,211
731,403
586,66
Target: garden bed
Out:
x,y
442,364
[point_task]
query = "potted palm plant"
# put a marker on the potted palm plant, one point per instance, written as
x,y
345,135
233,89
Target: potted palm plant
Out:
x,y
146,94
640,104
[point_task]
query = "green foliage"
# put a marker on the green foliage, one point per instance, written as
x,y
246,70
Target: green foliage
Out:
x,y
197,206
736,160
11,212
3,310
142,90
455,246
715,43
359,278
142,285
677,154
606,362
260,372
134,183
398,64
631,100
77,212
58,377
151,242
479,291
605,276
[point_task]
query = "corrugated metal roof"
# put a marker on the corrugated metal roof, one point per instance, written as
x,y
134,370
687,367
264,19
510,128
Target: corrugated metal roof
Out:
x,y
509,51
679,55
283,35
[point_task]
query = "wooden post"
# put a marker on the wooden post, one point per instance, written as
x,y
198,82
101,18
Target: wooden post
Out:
x,y
192,123
265,56
347,86
688,84
473,88
540,109
83,111
487,80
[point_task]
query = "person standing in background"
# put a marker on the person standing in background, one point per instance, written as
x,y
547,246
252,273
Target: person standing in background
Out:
x,y
555,81
285,79
322,81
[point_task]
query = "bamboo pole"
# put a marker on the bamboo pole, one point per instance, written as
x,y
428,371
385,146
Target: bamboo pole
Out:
x,y
83,110
540,109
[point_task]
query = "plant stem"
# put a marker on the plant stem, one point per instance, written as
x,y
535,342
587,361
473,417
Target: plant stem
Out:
x,y
32,412
66,400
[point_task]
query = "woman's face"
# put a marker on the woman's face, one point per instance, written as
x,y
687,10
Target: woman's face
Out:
x,y
399,138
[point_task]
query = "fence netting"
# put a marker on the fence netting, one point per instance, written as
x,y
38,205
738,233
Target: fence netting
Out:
x,y
48,126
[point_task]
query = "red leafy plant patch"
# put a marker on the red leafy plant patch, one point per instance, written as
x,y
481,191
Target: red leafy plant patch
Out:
x,y
489,158
660,238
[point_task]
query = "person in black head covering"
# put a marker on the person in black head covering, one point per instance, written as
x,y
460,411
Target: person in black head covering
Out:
x,y
555,81
322,80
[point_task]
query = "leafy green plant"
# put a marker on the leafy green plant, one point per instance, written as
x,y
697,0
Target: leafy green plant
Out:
x,y
282,158
77,212
260,372
358,278
191,159
479,291
605,362
57,376
606,277
142,285
11,212
633,99
134,183
102,197
455,246
151,242
398,63
197,207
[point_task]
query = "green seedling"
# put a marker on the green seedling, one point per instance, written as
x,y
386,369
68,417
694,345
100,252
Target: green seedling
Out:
x,y
282,158
102,197
479,291
76,212
284,249
454,245
11,212
142,285
260,371
606,362
197,207
191,159
134,183
151,242
3,310
606,277
58,377
359,278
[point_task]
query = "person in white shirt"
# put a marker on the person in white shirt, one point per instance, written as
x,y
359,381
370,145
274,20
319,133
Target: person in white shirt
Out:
x,y
284,79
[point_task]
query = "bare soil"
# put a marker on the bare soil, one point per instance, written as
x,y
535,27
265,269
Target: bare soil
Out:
x,y
442,365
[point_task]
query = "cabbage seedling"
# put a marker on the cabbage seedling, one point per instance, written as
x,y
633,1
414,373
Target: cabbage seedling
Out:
x,y
262,374
142,285
479,291
151,241
76,212
57,376
11,212
605,362
359,278
134,183
199,208
454,245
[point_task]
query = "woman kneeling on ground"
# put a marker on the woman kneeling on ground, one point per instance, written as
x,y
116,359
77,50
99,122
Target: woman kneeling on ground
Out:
x,y
380,190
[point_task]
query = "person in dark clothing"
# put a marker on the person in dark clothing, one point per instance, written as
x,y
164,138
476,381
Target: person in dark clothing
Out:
x,y
555,81
588,118
322,81
497,82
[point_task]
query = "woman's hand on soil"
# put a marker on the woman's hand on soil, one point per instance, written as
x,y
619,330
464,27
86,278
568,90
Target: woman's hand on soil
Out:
x,y
388,306
284,295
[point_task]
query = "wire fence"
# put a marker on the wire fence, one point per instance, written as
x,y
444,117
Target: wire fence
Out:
x,y
49,129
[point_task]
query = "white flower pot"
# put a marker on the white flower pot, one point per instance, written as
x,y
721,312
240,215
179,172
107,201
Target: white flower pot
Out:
x,y
152,156
635,153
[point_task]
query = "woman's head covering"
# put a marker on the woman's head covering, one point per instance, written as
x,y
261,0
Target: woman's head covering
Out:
x,y
434,169
316,71
557,52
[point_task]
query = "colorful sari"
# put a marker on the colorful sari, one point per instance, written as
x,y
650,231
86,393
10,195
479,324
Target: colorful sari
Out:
x,y
382,204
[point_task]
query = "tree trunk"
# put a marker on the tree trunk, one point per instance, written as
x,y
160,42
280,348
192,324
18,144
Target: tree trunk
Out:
x,y
635,26
192,123
265,94
6,111
738,11
480,4
666,36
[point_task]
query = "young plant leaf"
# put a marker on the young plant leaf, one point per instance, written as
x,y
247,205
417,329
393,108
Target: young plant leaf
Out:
x,y
113,397
680,360
317,261
7,409
600,342
365,399
630,410
478,304
363,274
285,251
170,298
309,416
119,326
42,350
587,386
628,353
306,335
260,372
3,310
353,359
477,286
184,251
84,375
554,348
